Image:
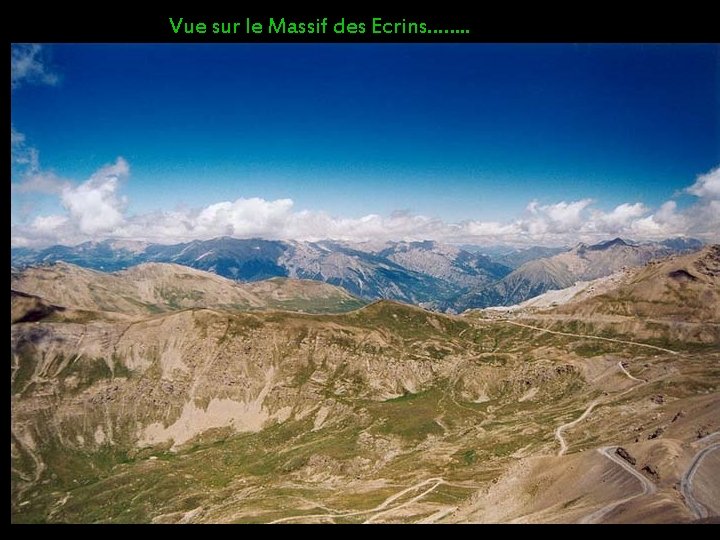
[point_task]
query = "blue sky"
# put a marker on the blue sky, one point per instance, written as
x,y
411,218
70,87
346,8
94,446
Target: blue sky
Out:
x,y
466,133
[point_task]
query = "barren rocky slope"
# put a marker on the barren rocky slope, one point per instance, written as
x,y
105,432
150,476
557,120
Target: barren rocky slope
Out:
x,y
684,288
582,263
384,414
158,287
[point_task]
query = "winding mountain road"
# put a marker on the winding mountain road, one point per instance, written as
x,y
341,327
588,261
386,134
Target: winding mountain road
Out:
x,y
381,508
438,481
559,430
586,336
686,483
625,371
648,488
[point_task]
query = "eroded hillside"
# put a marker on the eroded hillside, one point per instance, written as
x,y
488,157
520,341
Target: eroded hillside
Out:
x,y
384,414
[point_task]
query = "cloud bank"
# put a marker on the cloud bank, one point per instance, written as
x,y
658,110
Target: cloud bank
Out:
x,y
95,210
707,185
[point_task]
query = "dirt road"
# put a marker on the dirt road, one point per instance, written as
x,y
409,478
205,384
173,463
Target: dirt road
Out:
x,y
625,371
381,508
586,336
686,483
648,487
559,430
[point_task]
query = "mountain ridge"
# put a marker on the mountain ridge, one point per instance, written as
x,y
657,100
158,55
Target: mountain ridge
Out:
x,y
427,273
581,263
681,287
161,287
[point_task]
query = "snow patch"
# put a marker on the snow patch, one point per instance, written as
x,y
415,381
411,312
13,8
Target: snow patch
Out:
x,y
204,255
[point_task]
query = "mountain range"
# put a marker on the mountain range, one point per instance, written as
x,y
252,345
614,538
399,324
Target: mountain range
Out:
x,y
513,256
581,263
166,394
429,274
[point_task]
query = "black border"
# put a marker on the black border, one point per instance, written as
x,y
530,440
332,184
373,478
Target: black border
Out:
x,y
515,23
582,22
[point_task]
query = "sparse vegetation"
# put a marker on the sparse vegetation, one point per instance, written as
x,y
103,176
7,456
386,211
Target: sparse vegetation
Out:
x,y
351,411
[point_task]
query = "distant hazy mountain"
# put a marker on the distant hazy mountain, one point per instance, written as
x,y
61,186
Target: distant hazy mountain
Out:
x,y
581,263
516,257
682,245
362,273
107,255
421,273
426,273
445,262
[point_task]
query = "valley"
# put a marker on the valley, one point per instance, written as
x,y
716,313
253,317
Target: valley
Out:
x,y
433,275
200,411
254,281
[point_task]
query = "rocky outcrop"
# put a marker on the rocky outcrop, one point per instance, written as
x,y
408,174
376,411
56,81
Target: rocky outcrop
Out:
x,y
620,451
655,434
651,471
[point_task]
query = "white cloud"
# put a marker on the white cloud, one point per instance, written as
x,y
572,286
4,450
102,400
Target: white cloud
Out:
x,y
245,217
95,211
703,219
28,64
21,154
554,218
491,229
624,213
17,139
41,182
707,185
661,223
27,175
618,220
47,225
94,204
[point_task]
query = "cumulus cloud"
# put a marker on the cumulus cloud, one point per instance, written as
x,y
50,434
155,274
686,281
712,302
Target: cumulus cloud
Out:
x,y
95,210
618,219
29,65
47,225
244,217
707,185
94,205
554,218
